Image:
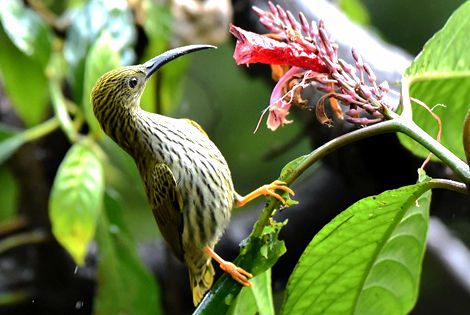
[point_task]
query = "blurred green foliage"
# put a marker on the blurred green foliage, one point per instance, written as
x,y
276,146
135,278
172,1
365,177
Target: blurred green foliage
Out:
x,y
440,77
409,24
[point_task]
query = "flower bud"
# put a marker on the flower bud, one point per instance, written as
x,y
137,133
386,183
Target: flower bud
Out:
x,y
357,58
304,23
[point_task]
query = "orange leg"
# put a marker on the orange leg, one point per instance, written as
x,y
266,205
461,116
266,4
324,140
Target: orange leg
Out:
x,y
238,274
266,190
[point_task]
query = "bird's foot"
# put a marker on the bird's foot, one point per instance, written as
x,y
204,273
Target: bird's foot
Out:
x,y
238,274
266,190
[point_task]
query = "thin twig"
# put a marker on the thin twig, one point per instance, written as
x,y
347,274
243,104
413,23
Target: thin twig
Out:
x,y
20,239
450,185
327,148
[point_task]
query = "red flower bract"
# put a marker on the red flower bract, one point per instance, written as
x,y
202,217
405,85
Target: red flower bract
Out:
x,y
253,48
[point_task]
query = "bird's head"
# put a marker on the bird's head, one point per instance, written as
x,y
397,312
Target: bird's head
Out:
x,y
120,89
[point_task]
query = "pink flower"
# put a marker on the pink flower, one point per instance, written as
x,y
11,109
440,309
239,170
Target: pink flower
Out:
x,y
279,104
313,60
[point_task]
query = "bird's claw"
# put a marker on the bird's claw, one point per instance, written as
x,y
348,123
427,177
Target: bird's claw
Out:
x,y
238,274
265,190
277,184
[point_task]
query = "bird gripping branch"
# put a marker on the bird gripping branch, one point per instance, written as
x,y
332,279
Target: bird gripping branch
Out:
x,y
187,180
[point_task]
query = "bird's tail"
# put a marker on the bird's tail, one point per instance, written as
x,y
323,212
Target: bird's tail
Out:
x,y
201,280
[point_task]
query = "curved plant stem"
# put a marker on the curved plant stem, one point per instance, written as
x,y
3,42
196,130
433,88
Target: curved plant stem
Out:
x,y
30,237
407,112
41,130
396,124
60,109
411,129
327,148
449,184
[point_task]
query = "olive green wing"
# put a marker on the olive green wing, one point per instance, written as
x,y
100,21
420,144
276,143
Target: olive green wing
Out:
x,y
167,207
195,124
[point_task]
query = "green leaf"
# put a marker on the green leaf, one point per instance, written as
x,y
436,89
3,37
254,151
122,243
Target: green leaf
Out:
x,y
367,260
243,304
441,75
116,18
257,299
262,293
24,81
256,256
28,32
76,200
101,58
125,286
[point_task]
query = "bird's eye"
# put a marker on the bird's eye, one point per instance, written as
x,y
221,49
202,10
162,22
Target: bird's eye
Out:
x,y
133,82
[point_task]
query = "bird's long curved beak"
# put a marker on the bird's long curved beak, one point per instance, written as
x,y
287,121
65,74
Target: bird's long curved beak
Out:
x,y
157,62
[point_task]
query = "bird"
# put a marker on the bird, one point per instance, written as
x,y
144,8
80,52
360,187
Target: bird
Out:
x,y
187,181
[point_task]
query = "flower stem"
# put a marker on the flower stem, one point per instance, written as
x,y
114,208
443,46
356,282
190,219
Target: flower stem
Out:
x,y
449,184
407,112
332,145
411,129
396,124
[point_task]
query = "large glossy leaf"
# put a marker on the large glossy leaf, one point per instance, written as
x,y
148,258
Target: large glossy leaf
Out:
x,y
367,260
76,200
101,59
125,286
441,75
88,22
